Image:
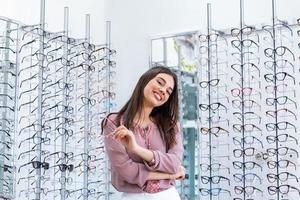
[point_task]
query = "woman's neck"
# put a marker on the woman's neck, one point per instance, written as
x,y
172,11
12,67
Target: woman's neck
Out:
x,y
143,118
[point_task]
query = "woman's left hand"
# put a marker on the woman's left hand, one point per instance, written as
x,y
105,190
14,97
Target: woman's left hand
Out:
x,y
181,173
126,137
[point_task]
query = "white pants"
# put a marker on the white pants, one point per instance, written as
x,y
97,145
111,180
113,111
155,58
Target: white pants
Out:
x,y
170,193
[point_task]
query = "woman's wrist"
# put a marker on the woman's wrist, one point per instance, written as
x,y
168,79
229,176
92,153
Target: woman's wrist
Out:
x,y
144,153
171,176
136,149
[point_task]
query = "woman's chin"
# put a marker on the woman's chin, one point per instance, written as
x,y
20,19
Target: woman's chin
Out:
x,y
157,104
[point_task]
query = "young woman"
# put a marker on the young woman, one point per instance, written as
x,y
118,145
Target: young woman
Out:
x,y
143,140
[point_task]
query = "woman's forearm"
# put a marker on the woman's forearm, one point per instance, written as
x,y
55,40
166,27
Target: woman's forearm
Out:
x,y
160,176
144,153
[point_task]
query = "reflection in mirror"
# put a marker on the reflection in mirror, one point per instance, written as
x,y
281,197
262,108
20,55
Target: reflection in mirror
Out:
x,y
175,52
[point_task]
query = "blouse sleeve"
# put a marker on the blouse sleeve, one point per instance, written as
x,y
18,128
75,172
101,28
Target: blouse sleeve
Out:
x,y
168,162
130,171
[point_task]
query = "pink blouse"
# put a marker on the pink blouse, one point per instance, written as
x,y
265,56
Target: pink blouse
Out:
x,y
129,171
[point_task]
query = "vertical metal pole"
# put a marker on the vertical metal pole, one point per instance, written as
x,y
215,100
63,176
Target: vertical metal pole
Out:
x,y
151,54
275,84
65,69
16,98
165,51
274,11
242,15
87,27
5,112
108,44
178,71
86,112
242,93
209,92
198,124
40,96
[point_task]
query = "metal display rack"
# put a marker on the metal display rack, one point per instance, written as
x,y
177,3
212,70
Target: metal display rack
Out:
x,y
213,179
54,92
247,143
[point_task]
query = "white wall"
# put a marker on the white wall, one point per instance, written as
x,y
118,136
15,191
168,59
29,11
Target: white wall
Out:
x,y
134,22
28,12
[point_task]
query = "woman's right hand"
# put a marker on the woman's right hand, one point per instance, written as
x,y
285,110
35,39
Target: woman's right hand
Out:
x,y
126,137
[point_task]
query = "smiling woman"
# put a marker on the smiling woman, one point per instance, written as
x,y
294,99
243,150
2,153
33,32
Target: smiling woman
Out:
x,y
154,95
143,140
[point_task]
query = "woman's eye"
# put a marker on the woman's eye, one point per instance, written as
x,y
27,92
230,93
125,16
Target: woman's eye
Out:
x,y
159,82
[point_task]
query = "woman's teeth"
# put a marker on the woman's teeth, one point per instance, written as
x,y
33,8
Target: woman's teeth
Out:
x,y
157,96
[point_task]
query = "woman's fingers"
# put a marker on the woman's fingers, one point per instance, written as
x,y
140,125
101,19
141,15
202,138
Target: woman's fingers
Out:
x,y
125,136
181,173
121,128
118,129
121,134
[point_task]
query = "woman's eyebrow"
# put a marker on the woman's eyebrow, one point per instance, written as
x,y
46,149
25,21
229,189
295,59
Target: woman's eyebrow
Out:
x,y
162,79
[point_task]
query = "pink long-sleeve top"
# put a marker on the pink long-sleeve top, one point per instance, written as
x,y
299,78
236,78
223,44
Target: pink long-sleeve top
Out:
x,y
129,171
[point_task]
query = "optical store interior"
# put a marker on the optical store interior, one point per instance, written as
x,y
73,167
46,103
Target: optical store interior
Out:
x,y
65,65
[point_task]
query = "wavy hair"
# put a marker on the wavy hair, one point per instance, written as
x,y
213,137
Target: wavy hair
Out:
x,y
165,116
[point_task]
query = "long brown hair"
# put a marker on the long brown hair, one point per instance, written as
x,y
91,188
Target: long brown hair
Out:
x,y
165,116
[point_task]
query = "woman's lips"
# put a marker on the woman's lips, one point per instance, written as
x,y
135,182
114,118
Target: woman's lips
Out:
x,y
157,96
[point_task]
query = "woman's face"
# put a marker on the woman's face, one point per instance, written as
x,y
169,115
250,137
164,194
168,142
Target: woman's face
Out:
x,y
158,90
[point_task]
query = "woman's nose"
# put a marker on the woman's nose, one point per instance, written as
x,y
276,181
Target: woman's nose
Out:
x,y
163,91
